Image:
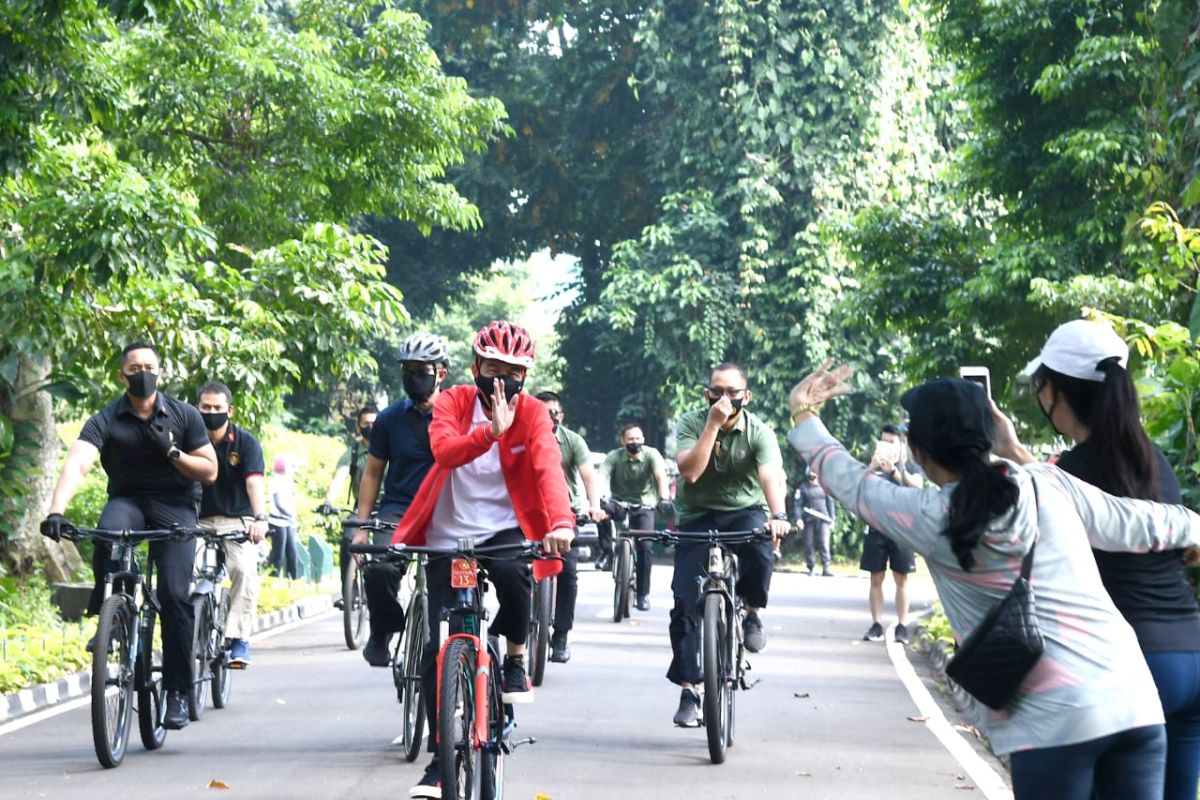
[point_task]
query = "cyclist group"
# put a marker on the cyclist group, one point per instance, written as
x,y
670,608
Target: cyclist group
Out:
x,y
486,462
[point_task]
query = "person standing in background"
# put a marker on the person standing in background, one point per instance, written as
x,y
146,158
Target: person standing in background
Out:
x,y
285,556
815,514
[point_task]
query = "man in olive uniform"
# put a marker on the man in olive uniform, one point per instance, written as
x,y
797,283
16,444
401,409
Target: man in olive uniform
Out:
x,y
350,467
733,478
637,476
577,466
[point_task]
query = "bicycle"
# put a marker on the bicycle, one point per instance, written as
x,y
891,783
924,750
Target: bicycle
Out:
x,y
123,657
723,654
210,600
355,613
623,572
474,724
407,653
541,617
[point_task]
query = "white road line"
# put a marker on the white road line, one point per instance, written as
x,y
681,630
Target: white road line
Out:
x,y
80,702
986,779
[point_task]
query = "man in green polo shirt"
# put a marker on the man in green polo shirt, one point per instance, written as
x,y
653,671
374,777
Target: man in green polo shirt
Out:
x,y
637,476
577,466
733,479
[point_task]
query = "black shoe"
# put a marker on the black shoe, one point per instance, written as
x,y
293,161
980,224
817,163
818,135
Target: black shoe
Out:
x,y
604,562
689,714
177,711
874,633
514,683
339,604
91,644
559,652
643,602
752,633
901,633
378,652
430,785
827,573
808,571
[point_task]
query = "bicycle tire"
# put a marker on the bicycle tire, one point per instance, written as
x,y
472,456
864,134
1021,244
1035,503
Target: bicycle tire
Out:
x,y
202,625
539,629
412,702
151,698
112,681
222,680
716,683
491,756
354,606
456,722
622,579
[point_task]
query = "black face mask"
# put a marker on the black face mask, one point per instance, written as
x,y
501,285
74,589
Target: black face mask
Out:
x,y
736,403
512,387
1049,414
419,386
142,383
634,447
365,431
216,420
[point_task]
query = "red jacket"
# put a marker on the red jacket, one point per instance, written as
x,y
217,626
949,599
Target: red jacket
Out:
x,y
530,459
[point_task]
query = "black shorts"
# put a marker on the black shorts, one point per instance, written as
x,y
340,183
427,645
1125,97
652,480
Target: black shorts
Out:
x,y
879,550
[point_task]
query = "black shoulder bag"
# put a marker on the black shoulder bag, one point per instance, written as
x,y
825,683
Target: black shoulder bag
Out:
x,y
991,663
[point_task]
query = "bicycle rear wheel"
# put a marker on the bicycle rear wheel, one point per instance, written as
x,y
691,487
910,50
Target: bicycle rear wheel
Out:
x,y
539,629
201,672
718,691
456,722
222,680
354,606
408,676
622,578
491,756
112,680
151,698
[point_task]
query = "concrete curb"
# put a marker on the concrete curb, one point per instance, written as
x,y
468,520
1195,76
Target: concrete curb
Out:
x,y
34,698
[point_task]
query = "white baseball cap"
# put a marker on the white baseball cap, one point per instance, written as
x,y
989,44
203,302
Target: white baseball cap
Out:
x,y
1076,349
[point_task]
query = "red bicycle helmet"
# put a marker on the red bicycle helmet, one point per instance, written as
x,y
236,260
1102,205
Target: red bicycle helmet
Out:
x,y
505,342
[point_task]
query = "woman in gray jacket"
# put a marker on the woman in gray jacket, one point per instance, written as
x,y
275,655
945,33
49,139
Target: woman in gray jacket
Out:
x,y
1086,721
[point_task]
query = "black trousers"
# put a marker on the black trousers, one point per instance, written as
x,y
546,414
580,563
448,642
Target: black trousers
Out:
x,y
173,562
642,521
381,583
756,564
567,592
510,579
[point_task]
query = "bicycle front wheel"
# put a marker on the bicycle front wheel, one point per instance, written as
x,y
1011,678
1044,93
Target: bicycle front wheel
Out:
x,y
718,689
222,681
539,629
622,578
201,673
456,722
354,606
408,676
112,680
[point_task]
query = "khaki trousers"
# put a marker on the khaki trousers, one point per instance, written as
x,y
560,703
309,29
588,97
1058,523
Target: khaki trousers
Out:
x,y
241,561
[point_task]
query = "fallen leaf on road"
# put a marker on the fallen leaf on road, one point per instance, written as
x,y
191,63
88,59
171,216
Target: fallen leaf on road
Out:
x,y
918,719
801,695
216,784
804,774
966,786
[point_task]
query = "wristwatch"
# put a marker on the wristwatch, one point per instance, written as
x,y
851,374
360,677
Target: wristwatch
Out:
x,y
781,516
174,453
260,517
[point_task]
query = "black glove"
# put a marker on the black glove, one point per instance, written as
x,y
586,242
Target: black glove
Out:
x,y
326,509
52,526
665,507
163,436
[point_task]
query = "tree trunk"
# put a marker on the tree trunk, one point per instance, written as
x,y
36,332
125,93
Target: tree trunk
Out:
x,y
28,549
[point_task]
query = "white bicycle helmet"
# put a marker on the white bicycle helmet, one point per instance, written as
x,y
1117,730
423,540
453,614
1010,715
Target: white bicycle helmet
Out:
x,y
428,348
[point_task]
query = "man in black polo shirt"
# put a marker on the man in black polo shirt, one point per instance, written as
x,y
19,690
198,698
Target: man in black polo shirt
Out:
x,y
236,501
156,453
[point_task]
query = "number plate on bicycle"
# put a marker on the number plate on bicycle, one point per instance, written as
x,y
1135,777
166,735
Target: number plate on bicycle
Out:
x,y
462,573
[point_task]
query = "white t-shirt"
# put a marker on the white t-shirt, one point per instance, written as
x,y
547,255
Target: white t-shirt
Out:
x,y
474,503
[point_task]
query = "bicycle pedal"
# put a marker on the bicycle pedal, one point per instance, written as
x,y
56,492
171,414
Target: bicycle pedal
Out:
x,y
748,686
510,745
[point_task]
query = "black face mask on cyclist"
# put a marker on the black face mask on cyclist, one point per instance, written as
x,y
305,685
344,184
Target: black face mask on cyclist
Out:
x,y
486,387
365,431
633,447
214,421
142,383
419,386
735,402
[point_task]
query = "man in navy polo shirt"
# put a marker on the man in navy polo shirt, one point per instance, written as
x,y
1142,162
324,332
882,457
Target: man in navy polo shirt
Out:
x,y
156,453
236,501
399,445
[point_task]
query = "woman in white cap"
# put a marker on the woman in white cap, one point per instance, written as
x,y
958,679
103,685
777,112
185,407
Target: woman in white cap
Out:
x,y
1086,721
1085,391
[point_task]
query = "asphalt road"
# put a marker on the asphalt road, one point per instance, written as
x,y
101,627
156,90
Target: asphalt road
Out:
x,y
829,719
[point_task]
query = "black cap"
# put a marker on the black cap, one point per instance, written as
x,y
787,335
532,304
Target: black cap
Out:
x,y
949,418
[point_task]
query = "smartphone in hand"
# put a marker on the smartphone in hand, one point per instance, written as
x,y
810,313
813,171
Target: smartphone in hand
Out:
x,y
980,375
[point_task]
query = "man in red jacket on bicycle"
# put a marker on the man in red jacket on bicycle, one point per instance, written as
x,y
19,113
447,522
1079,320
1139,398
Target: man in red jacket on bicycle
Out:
x,y
497,478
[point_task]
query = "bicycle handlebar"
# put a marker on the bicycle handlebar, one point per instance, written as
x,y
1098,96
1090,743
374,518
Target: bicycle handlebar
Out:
x,y
527,549
714,537
368,524
75,533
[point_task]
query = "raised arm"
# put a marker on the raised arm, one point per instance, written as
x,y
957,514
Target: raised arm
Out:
x,y
80,459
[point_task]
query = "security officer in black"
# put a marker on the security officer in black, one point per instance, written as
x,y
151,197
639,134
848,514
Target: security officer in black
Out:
x,y
156,453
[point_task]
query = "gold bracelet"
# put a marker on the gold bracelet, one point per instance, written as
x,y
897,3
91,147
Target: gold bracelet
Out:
x,y
812,408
